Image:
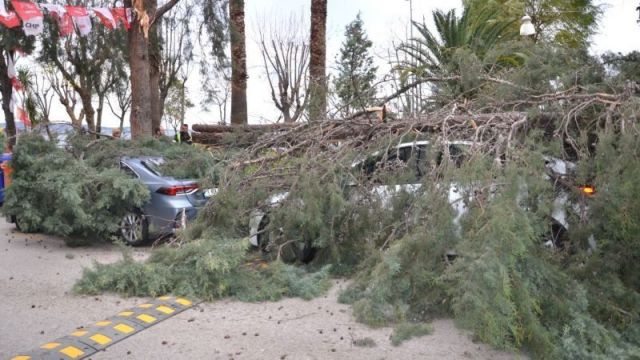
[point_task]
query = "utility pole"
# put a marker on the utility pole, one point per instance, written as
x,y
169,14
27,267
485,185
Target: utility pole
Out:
x,y
413,106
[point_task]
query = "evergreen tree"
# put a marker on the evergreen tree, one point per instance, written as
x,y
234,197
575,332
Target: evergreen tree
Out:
x,y
356,73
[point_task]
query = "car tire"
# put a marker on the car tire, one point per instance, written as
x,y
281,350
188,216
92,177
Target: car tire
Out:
x,y
134,228
20,226
272,244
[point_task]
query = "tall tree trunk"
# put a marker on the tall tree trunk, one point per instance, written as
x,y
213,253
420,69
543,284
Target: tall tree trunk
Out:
x,y
238,63
317,61
140,70
7,90
157,105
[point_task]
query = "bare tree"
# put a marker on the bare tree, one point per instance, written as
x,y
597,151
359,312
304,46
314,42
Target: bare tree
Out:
x,y
120,102
218,92
172,52
67,96
41,94
285,55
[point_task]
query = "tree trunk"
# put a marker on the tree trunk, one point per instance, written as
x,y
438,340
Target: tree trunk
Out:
x,y
89,112
140,79
238,63
157,103
7,90
317,61
99,113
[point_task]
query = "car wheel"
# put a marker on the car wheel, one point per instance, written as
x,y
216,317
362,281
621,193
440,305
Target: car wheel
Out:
x,y
273,245
134,229
20,225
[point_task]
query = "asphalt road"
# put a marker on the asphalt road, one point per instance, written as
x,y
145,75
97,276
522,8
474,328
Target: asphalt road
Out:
x,y
37,273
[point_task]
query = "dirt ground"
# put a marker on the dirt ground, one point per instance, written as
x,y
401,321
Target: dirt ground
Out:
x,y
37,306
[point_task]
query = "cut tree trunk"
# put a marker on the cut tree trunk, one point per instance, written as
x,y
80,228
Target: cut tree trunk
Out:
x,y
246,128
317,61
238,63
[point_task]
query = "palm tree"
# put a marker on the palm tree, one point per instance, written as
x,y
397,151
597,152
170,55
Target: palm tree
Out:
x,y
455,52
431,54
238,63
318,61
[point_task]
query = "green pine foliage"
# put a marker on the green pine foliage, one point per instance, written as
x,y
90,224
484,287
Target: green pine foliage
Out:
x,y
79,192
54,193
403,282
208,269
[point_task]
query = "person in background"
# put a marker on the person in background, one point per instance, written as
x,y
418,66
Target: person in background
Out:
x,y
5,164
184,137
116,133
158,133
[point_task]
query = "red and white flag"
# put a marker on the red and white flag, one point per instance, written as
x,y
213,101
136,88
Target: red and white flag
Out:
x,y
13,74
122,15
106,17
9,20
80,18
17,97
31,16
65,25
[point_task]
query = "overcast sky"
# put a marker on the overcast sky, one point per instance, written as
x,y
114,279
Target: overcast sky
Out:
x,y
385,21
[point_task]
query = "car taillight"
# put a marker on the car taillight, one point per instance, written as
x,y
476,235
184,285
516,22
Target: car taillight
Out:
x,y
177,189
588,189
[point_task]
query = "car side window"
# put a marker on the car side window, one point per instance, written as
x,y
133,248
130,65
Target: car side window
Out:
x,y
458,154
127,170
409,163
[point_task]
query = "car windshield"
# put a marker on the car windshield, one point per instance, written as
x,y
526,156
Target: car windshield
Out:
x,y
154,165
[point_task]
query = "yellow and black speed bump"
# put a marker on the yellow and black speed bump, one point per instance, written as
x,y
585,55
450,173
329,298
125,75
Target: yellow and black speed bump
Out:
x,y
87,341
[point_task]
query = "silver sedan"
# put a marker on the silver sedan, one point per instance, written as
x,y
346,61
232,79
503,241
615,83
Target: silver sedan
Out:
x,y
172,204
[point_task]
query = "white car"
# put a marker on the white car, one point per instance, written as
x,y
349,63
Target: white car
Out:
x,y
414,158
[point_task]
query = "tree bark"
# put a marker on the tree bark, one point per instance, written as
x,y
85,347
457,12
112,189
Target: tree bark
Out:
x,y
317,62
140,117
89,112
7,90
238,63
99,113
157,103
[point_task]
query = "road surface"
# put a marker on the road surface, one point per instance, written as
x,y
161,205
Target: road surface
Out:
x,y
37,306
